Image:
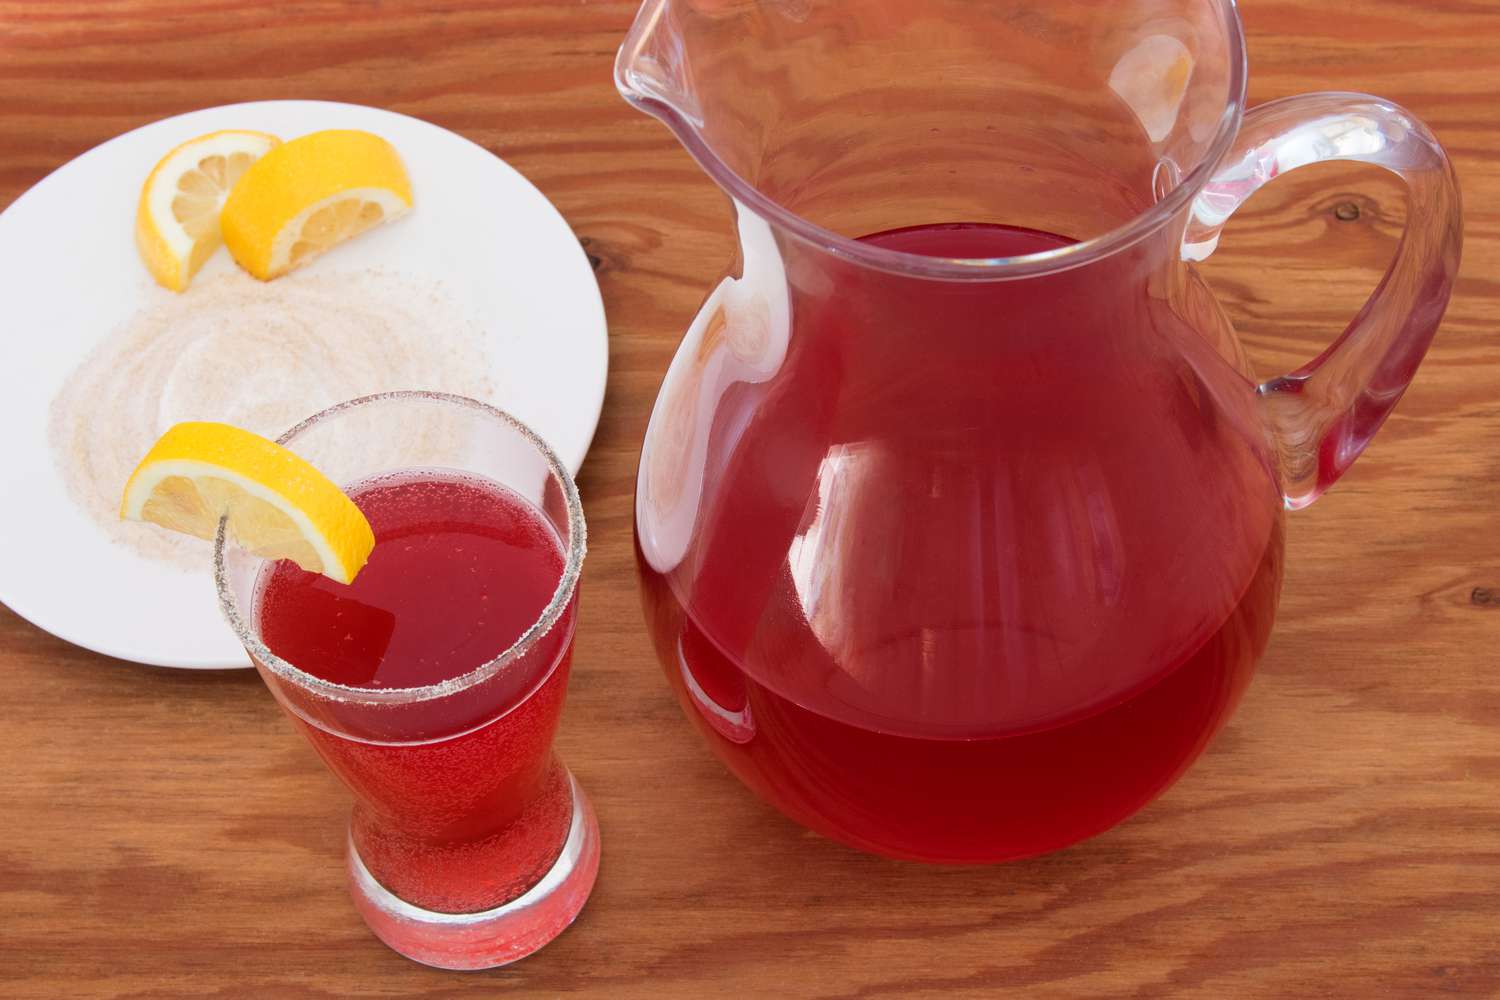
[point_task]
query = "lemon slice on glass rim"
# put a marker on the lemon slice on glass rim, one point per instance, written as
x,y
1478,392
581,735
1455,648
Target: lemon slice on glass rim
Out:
x,y
177,215
278,504
310,194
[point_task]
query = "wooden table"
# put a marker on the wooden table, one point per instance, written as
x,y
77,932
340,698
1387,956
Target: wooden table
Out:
x,y
164,834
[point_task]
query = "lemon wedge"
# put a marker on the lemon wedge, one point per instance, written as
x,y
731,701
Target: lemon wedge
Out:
x,y
279,506
310,194
177,217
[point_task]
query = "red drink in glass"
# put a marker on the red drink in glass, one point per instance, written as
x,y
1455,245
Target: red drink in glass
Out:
x,y
461,568
432,685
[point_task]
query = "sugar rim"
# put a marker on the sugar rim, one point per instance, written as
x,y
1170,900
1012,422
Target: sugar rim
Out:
x,y
573,566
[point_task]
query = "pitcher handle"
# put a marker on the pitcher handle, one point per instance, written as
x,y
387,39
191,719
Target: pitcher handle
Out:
x,y
1325,412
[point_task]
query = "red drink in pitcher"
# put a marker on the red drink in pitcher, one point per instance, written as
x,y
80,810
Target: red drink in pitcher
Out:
x,y
970,644
960,540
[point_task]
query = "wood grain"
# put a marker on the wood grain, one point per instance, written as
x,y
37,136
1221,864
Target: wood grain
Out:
x,y
165,834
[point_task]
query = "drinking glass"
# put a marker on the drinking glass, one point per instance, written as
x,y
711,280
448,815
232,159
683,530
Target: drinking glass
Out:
x,y
470,844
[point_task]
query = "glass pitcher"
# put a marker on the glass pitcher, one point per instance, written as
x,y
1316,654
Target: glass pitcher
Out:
x,y
959,516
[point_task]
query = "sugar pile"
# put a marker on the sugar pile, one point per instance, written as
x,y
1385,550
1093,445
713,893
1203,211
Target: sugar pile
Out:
x,y
261,356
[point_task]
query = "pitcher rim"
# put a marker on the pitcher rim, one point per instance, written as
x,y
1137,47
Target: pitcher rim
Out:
x,y
1073,255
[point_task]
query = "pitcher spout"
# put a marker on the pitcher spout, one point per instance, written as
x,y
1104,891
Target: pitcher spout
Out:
x,y
651,69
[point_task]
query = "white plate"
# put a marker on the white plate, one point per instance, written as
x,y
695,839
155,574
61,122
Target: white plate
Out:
x,y
71,276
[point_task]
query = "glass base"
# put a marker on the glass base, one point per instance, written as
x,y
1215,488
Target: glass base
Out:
x,y
493,937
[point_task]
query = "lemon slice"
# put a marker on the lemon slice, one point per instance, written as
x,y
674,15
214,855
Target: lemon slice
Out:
x,y
177,217
310,194
279,506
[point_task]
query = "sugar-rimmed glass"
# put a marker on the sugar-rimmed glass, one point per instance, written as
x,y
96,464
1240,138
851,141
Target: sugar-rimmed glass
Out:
x,y
470,845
